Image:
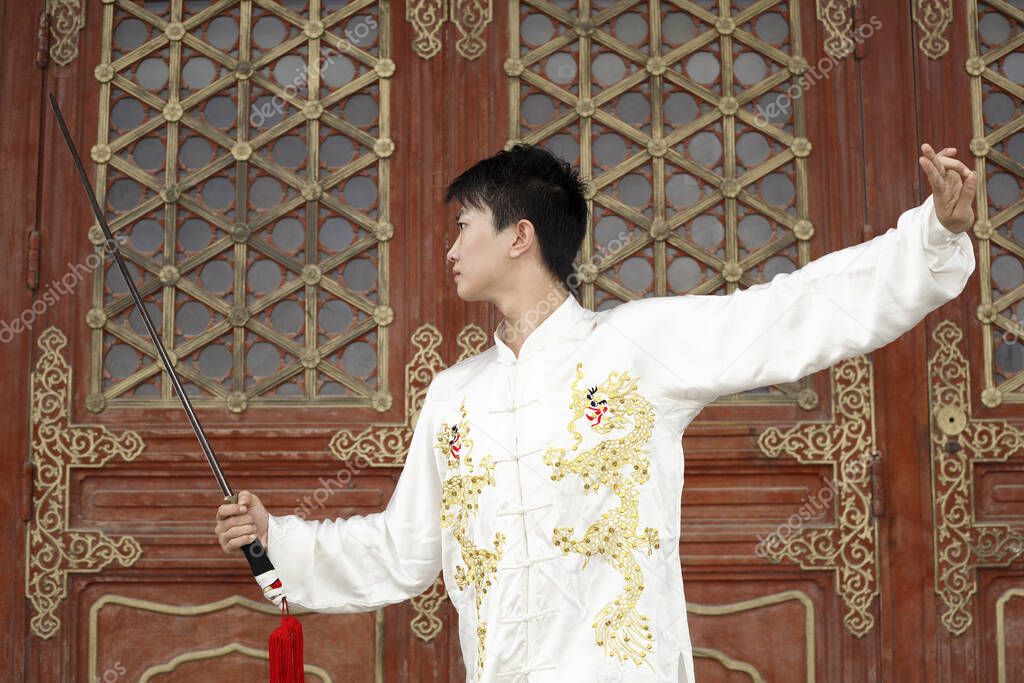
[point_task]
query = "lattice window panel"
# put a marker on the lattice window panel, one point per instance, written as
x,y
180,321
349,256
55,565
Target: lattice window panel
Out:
x,y
996,67
696,153
242,159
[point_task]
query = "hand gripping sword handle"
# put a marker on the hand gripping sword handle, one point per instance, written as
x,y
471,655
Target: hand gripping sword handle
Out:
x,y
255,553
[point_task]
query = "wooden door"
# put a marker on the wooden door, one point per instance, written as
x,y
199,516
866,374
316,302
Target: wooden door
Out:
x,y
277,171
274,192
970,605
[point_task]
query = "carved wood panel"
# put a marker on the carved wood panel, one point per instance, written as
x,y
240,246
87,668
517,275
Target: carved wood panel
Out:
x,y
274,169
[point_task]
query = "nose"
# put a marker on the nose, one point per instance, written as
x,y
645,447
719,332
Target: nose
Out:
x,y
451,252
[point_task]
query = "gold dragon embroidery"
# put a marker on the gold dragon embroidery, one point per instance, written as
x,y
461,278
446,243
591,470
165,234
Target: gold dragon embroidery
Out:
x,y
459,496
621,465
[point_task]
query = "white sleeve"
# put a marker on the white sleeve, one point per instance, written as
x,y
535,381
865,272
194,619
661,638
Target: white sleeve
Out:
x,y
849,302
363,562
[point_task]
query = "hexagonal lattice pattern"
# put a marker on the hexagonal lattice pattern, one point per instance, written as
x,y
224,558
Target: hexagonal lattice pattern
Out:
x,y
996,67
686,120
242,157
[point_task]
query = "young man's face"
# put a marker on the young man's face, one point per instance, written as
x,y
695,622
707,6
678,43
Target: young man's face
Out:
x,y
479,254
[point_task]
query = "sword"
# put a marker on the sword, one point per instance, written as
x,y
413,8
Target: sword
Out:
x,y
254,552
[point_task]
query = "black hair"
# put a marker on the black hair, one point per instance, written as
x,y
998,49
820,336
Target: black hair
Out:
x,y
532,183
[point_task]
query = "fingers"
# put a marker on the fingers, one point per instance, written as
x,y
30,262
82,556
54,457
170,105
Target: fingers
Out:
x,y
933,173
945,161
235,528
955,165
238,538
229,510
966,198
239,530
954,185
232,522
945,174
936,166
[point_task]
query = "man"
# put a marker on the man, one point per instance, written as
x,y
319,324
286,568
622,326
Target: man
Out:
x,y
544,474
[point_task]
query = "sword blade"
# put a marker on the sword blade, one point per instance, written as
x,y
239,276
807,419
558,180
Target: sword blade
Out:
x,y
134,292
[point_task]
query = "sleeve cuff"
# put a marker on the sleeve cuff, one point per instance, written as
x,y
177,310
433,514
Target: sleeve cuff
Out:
x,y
940,244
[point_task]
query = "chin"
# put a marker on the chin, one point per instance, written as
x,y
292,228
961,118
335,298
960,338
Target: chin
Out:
x,y
466,294
469,293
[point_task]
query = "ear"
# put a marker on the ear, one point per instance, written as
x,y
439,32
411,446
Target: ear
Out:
x,y
522,237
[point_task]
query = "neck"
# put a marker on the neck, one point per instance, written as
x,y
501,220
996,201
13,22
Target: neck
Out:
x,y
523,314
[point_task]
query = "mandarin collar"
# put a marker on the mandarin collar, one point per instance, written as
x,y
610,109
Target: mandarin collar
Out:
x,y
550,330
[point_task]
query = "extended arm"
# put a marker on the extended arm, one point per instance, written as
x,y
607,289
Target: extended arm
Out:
x,y
366,561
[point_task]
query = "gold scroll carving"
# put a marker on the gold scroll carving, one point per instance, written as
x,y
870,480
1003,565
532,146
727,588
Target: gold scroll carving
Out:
x,y
958,442
52,549
470,18
846,443
67,19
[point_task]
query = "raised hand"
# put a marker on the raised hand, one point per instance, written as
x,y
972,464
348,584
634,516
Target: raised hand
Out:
x,y
953,187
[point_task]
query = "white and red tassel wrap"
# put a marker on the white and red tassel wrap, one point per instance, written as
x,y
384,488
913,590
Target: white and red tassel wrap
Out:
x,y
273,589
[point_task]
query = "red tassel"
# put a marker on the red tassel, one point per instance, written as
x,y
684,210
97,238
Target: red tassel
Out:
x,y
286,649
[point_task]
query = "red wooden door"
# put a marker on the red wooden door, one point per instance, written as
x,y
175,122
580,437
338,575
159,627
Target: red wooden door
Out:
x,y
277,171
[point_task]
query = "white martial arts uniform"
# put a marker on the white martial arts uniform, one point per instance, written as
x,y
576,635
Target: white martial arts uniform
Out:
x,y
547,487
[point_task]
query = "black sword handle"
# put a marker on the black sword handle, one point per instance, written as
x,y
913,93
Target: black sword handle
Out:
x,y
255,553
